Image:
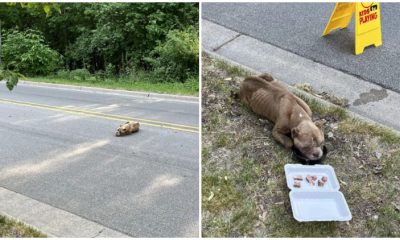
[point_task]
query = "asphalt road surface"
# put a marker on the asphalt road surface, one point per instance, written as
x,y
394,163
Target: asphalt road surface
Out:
x,y
297,27
58,146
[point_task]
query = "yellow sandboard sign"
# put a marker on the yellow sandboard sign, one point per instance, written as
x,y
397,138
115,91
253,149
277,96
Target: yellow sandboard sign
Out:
x,y
367,23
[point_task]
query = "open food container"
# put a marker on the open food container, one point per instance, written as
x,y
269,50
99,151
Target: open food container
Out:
x,y
316,202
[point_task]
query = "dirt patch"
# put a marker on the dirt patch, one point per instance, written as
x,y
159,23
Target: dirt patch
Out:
x,y
244,192
339,101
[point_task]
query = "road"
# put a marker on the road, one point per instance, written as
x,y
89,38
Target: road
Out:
x,y
297,27
58,147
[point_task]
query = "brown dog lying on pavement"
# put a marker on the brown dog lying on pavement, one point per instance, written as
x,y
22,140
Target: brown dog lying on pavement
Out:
x,y
272,100
127,128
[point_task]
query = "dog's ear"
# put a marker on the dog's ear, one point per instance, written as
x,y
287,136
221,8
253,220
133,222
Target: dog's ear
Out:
x,y
295,132
320,123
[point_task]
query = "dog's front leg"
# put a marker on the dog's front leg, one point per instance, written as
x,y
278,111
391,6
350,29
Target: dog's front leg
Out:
x,y
279,133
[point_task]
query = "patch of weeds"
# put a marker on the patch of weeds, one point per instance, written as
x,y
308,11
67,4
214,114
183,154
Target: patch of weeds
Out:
x,y
324,111
205,154
385,223
214,121
219,85
243,220
215,226
282,224
13,229
342,102
232,70
249,171
236,223
392,163
222,140
352,126
219,192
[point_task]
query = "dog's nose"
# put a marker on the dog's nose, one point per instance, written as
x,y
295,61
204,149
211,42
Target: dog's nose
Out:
x,y
316,154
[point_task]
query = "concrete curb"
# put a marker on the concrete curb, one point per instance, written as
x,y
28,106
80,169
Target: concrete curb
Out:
x,y
257,56
113,91
49,220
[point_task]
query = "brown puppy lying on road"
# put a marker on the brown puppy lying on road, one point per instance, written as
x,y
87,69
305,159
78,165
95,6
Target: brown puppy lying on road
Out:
x,y
270,99
127,128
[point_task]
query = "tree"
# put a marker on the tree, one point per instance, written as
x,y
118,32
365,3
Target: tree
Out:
x,y
10,76
26,52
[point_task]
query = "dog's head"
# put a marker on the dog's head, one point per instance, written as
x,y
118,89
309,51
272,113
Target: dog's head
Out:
x,y
123,129
308,138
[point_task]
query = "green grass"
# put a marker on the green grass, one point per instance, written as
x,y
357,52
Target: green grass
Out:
x,y
361,127
244,192
232,70
188,88
13,229
324,111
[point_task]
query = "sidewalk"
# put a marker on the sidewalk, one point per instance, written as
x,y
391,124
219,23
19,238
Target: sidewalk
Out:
x,y
50,220
366,99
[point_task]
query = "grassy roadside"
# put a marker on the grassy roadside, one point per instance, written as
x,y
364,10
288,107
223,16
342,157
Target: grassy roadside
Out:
x,y
244,192
189,88
12,229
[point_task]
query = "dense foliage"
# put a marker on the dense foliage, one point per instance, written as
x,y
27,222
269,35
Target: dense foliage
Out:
x,y
176,56
26,52
103,40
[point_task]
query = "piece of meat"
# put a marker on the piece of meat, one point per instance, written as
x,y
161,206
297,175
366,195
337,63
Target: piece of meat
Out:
x,y
310,180
321,183
300,178
324,179
314,178
297,184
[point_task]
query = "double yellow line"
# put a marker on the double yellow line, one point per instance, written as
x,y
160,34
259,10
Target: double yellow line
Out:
x,y
146,122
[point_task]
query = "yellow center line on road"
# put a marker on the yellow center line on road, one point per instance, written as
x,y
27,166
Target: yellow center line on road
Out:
x,y
132,118
110,115
146,122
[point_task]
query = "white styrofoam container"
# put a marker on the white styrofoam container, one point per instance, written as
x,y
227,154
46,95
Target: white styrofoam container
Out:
x,y
319,206
314,203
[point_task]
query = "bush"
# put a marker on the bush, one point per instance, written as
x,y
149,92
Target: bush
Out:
x,y
177,59
80,74
64,74
26,52
100,75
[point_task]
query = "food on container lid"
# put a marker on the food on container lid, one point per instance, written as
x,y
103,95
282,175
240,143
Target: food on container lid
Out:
x,y
297,184
300,178
324,179
321,183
